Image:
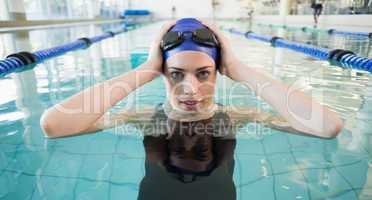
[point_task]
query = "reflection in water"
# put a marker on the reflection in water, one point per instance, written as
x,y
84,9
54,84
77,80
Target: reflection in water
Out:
x,y
193,160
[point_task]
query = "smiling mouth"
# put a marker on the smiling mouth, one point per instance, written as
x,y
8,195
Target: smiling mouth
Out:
x,y
190,102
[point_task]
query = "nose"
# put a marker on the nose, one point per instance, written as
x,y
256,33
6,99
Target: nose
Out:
x,y
190,85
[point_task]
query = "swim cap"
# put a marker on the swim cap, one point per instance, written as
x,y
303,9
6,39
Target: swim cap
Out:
x,y
189,25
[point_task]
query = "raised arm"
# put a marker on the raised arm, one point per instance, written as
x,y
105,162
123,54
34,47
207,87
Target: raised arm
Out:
x,y
81,112
302,112
240,116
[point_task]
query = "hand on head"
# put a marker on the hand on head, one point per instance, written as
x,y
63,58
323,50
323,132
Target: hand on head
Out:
x,y
227,55
155,58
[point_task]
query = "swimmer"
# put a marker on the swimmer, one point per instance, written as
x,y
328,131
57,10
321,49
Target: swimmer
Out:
x,y
188,54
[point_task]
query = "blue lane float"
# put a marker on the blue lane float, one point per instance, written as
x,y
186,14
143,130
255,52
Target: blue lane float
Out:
x,y
339,57
329,31
131,12
22,61
349,33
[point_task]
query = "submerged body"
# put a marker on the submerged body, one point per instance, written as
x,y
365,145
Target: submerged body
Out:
x,y
190,160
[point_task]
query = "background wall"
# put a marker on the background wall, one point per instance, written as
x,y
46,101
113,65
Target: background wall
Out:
x,y
195,8
264,10
184,8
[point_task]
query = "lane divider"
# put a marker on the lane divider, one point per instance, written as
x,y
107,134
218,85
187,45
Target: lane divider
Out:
x,y
24,60
339,57
311,29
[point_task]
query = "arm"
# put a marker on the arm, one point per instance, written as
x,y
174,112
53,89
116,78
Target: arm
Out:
x,y
84,112
300,111
78,113
240,116
138,118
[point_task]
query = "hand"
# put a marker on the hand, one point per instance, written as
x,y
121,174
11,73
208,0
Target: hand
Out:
x,y
228,58
155,58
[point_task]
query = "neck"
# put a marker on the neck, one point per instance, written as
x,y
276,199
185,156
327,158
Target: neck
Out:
x,y
186,116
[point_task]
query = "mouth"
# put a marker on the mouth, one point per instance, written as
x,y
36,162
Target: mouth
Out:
x,y
190,104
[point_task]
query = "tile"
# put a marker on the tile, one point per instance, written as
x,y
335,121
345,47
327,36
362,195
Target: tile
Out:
x,y
7,183
344,157
309,144
311,160
8,149
291,186
249,146
127,170
19,186
131,147
282,163
261,189
28,161
365,193
89,190
76,145
62,164
127,191
102,143
252,167
327,183
344,195
97,167
355,174
54,188
276,143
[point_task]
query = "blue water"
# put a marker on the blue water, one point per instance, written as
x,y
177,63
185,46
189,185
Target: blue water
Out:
x,y
269,164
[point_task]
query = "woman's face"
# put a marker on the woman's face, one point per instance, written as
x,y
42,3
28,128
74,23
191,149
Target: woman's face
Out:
x,y
190,78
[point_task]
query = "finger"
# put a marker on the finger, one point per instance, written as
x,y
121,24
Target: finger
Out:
x,y
165,28
214,28
210,25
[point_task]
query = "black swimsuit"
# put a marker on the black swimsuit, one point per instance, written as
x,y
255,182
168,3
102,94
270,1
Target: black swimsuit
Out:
x,y
160,184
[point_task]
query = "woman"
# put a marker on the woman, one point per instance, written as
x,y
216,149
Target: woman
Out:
x,y
188,54
189,140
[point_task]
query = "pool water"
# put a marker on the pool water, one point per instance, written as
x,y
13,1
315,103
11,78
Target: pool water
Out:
x,y
269,164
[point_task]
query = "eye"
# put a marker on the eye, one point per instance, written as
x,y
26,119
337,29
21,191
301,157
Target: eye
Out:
x,y
203,75
177,76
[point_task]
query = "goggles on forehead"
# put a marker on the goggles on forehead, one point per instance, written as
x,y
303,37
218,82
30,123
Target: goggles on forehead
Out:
x,y
202,36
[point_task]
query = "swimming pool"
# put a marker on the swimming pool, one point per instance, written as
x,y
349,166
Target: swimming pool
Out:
x,y
269,164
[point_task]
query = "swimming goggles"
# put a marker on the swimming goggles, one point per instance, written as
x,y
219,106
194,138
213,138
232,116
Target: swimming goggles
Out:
x,y
202,36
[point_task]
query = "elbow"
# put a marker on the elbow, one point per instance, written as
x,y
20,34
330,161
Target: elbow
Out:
x,y
333,129
49,130
56,127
